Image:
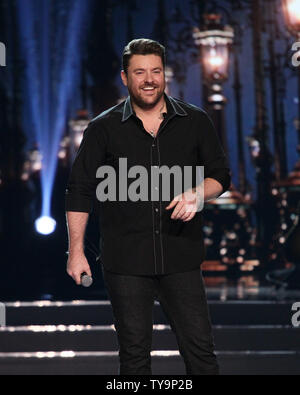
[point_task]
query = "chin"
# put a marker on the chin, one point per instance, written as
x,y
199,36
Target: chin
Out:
x,y
149,102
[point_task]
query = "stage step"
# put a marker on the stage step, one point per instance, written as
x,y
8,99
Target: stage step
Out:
x,y
163,363
100,313
78,337
103,338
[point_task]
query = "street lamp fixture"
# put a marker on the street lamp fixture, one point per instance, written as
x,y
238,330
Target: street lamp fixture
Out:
x,y
291,11
214,42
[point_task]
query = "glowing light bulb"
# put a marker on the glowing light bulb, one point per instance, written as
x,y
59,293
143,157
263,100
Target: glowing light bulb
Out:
x,y
294,9
45,225
216,61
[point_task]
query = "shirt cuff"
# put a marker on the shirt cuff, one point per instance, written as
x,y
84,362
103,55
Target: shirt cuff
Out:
x,y
77,203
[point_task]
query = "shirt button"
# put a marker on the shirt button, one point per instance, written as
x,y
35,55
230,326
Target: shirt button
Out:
x,y
156,210
157,232
156,188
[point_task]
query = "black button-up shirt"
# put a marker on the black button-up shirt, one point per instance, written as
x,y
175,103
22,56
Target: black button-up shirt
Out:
x,y
139,237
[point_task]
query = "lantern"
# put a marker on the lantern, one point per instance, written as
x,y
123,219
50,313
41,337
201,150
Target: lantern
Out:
x,y
214,43
291,10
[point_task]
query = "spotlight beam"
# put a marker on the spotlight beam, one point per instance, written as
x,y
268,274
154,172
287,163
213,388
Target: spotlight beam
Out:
x,y
49,94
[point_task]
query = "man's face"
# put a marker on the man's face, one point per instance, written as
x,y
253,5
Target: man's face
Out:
x,y
145,80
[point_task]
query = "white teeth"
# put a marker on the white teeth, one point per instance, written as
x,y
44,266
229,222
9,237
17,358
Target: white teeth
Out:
x,y
148,89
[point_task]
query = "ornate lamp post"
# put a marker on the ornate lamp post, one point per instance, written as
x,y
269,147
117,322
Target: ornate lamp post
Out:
x,y
231,207
214,42
286,190
291,11
214,46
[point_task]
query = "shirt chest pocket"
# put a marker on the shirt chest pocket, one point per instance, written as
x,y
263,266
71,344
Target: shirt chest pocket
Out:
x,y
134,156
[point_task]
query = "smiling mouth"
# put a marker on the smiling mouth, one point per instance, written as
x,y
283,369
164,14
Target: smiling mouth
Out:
x,y
148,89
149,92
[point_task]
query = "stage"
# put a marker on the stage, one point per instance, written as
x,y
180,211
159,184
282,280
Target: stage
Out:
x,y
220,89
254,335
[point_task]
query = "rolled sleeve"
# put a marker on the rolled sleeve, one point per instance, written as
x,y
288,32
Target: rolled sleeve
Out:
x,y
82,183
211,153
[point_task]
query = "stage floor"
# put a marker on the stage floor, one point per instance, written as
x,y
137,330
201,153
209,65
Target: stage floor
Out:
x,y
78,337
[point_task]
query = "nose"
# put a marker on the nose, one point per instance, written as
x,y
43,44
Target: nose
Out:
x,y
148,77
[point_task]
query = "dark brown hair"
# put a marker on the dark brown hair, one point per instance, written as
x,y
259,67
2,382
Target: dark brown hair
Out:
x,y
142,46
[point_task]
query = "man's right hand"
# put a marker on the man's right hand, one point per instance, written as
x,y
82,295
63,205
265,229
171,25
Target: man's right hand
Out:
x,y
76,265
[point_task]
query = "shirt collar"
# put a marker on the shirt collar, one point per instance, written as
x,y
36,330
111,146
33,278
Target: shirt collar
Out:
x,y
172,107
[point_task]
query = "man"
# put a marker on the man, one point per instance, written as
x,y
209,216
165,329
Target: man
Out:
x,y
150,249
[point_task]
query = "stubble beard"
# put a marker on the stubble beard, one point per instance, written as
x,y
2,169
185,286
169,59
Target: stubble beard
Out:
x,y
138,101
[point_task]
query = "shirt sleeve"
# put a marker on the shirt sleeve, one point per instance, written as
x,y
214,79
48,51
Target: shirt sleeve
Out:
x,y
82,183
211,154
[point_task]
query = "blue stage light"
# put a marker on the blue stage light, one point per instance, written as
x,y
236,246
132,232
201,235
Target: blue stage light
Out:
x,y
51,50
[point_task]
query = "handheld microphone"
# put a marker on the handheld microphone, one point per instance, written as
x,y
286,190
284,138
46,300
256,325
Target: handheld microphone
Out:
x,y
86,280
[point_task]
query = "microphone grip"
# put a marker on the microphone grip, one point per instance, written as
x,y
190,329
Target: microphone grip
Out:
x,y
86,280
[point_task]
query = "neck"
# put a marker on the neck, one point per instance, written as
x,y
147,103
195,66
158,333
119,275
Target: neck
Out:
x,y
159,108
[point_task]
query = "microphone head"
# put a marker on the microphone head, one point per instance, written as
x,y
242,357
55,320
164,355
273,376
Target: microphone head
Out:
x,y
86,280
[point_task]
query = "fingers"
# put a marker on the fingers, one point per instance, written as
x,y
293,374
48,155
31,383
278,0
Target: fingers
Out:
x,y
189,217
186,214
173,202
88,272
77,275
178,211
75,270
171,205
185,210
77,278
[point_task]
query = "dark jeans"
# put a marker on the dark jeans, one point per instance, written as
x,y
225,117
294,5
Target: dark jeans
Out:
x,y
183,299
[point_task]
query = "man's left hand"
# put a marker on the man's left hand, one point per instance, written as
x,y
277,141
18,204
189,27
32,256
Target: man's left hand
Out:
x,y
187,205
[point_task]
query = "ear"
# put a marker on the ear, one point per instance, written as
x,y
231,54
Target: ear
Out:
x,y
124,77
